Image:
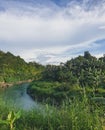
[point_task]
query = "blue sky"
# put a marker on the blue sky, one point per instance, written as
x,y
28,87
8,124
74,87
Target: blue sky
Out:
x,y
52,31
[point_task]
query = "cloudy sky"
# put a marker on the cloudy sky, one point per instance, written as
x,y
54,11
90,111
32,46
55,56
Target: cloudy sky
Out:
x,y
52,31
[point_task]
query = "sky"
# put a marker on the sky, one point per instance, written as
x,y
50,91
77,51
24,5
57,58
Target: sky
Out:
x,y
52,31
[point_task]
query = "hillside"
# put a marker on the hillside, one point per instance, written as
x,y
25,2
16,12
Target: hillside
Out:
x,y
13,68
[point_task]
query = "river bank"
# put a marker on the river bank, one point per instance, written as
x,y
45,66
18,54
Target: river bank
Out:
x,y
6,85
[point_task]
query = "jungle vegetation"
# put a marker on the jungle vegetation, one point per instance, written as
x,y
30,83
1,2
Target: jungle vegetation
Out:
x,y
13,68
72,94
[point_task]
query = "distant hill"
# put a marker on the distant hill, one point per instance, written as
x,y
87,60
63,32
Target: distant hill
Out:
x,y
13,68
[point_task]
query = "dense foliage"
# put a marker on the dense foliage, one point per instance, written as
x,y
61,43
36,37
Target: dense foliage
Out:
x,y
84,70
13,68
54,93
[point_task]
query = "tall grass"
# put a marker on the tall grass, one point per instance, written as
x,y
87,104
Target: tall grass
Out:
x,y
71,115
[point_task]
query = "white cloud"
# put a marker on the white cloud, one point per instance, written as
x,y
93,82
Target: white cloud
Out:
x,y
102,27
46,33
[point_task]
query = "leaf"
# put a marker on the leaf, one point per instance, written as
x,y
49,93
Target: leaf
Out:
x,y
3,122
9,116
18,115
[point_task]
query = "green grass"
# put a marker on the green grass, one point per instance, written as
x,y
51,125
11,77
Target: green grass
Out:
x,y
53,92
56,93
71,115
81,110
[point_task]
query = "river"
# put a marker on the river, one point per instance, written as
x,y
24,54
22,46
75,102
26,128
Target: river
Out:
x,y
17,96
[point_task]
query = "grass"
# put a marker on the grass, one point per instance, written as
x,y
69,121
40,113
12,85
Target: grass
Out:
x,y
77,113
52,92
56,93
71,115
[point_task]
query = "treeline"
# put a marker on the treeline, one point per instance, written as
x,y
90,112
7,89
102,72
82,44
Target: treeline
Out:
x,y
13,68
84,71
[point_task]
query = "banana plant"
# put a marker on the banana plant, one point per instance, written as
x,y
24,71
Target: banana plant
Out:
x,y
11,118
